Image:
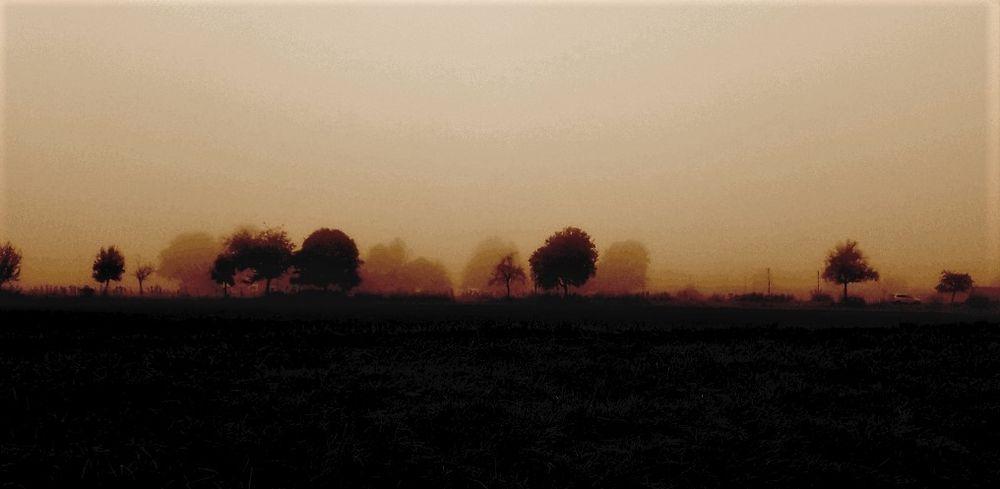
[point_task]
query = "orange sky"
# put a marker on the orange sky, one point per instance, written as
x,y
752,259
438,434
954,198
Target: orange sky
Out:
x,y
726,137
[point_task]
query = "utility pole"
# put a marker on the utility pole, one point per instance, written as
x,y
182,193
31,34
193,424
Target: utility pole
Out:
x,y
769,281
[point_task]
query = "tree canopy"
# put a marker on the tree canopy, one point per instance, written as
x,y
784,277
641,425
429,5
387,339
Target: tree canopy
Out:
x,y
622,269
952,282
267,254
568,258
109,265
10,264
185,260
847,264
328,257
223,272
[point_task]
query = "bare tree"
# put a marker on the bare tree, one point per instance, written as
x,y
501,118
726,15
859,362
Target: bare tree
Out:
x,y
507,271
142,272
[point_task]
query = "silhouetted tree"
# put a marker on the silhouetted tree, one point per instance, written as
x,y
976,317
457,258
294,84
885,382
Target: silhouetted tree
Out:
x,y
622,269
328,257
10,264
387,269
109,265
267,253
846,264
141,273
507,271
224,272
186,259
380,272
567,258
423,276
954,283
478,271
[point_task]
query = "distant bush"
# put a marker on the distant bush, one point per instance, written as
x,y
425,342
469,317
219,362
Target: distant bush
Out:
x,y
10,292
821,297
690,294
405,297
979,301
853,301
660,297
86,291
621,298
758,297
716,298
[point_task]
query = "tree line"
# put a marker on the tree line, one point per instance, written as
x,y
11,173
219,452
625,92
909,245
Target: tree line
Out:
x,y
329,260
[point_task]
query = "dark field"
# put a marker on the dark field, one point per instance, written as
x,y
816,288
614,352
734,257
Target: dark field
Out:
x,y
393,394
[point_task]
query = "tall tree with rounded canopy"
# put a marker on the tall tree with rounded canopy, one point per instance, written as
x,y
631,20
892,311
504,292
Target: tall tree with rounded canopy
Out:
x,y
424,277
10,264
224,272
568,258
622,269
506,272
109,265
847,264
382,268
954,283
267,253
185,260
328,257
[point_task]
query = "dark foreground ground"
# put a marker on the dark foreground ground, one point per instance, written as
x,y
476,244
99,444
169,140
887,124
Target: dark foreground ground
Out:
x,y
198,394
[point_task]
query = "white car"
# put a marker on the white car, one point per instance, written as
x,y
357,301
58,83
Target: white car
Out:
x,y
904,299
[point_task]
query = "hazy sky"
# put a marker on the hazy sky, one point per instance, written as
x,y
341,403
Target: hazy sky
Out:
x,y
727,138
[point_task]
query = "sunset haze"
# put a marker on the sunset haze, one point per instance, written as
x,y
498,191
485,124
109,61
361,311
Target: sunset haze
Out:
x,y
726,138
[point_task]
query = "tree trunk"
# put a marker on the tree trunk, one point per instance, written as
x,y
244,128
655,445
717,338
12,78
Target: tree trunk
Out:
x,y
953,296
267,287
140,288
225,290
106,282
508,288
565,290
845,293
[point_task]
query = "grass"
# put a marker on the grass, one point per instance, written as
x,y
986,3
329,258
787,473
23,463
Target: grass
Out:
x,y
410,397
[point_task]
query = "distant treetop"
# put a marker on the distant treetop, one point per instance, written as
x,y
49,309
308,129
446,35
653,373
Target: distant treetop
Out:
x,y
568,258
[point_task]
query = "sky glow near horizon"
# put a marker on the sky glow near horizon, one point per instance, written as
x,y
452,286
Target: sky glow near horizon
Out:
x,y
726,137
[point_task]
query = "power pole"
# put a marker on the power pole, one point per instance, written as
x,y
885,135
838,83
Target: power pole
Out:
x,y
769,281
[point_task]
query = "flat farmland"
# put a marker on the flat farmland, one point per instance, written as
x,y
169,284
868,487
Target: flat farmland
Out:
x,y
293,393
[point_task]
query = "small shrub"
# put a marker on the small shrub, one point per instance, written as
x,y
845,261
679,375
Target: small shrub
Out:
x,y
853,301
660,297
690,294
821,297
980,302
86,291
758,297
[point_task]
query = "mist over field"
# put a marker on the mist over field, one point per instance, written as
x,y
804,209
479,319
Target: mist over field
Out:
x,y
726,139
500,244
